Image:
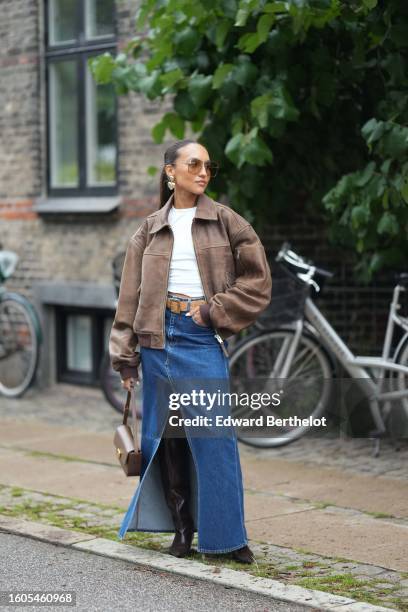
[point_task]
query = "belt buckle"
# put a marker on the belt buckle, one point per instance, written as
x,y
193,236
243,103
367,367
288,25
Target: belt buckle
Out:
x,y
176,304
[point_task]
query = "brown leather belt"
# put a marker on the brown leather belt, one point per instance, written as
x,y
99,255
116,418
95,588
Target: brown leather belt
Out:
x,y
182,304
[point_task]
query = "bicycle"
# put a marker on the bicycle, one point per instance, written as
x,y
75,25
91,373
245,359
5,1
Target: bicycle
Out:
x,y
110,379
20,335
292,338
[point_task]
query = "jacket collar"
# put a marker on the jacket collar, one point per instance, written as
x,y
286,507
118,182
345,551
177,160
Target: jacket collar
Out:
x,y
206,208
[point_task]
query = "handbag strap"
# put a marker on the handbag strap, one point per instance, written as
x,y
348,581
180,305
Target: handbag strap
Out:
x,y
126,414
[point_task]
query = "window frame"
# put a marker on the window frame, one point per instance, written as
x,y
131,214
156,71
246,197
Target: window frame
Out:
x,y
98,317
80,51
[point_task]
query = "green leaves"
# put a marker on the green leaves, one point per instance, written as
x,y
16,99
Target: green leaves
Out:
x,y
222,30
370,4
221,73
404,191
249,42
150,85
186,41
373,201
169,79
260,109
386,138
359,216
246,7
303,102
199,88
388,224
264,25
362,178
276,104
248,148
243,73
102,67
171,122
275,7
184,105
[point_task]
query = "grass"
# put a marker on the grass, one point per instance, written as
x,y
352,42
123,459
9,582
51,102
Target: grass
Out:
x,y
321,505
73,458
18,491
309,564
381,515
347,585
48,513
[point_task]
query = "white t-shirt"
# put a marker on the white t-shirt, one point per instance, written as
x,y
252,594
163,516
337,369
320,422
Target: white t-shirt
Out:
x,y
184,276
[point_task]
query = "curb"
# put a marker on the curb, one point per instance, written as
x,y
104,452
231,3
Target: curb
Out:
x,y
319,600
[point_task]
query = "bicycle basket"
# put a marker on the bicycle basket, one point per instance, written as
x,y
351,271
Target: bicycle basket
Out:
x,y
288,297
117,267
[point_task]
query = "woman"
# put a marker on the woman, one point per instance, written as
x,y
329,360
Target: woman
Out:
x,y
195,273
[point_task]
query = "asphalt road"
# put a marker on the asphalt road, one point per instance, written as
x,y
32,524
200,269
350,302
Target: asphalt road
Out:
x,y
103,584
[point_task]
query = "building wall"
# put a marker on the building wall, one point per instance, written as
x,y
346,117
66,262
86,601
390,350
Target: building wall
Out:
x,y
71,247
20,153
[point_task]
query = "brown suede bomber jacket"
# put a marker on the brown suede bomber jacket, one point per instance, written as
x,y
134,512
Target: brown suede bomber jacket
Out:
x,y
234,272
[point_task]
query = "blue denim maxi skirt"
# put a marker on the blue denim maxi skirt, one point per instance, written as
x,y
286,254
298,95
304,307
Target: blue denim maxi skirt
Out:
x,y
192,358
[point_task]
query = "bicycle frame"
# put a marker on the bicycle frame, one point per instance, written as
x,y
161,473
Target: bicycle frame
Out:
x,y
356,365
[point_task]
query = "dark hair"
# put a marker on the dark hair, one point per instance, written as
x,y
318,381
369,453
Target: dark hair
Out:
x,y
170,156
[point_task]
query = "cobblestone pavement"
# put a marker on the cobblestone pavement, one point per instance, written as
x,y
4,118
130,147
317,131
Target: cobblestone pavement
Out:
x,y
359,581
351,454
87,408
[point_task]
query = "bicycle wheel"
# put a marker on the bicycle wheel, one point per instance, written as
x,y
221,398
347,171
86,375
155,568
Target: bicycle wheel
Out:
x,y
401,379
19,347
112,387
306,390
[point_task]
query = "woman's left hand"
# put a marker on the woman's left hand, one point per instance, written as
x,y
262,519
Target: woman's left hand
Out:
x,y
196,315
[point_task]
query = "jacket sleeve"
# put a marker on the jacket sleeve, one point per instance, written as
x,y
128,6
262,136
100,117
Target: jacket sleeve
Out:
x,y
122,339
239,306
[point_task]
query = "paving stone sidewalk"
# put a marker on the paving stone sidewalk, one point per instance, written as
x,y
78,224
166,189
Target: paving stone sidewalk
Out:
x,y
85,407
363,582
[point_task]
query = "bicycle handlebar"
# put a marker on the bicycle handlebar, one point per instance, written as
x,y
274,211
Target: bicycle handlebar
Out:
x,y
287,254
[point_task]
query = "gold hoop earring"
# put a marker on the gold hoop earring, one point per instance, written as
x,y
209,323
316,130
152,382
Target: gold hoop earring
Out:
x,y
170,183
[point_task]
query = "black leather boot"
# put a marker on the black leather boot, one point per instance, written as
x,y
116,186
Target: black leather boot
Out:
x,y
243,555
174,463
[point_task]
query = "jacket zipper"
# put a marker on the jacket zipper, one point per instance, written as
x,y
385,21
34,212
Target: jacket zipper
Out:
x,y
217,334
167,284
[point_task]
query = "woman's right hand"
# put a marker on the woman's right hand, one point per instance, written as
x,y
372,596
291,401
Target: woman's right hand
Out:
x,y
129,383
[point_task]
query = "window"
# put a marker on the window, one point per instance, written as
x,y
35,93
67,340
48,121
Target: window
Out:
x,y
82,338
82,115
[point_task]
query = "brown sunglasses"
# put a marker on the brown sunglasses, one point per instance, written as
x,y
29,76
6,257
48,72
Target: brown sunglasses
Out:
x,y
195,165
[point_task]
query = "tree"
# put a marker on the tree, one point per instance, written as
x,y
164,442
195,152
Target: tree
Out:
x,y
303,103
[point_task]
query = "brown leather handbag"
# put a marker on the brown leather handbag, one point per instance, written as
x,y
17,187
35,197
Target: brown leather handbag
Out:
x,y
130,457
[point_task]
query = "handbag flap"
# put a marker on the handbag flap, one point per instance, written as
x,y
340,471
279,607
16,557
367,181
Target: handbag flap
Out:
x,y
123,439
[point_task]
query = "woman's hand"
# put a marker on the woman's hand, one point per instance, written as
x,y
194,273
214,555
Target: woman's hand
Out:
x,y
129,383
196,315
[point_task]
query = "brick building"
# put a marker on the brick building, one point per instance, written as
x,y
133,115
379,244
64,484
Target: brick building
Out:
x,y
74,184
73,171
